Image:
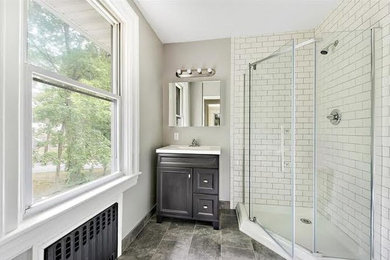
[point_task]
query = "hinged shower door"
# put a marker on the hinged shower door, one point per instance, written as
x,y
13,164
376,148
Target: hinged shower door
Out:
x,y
271,109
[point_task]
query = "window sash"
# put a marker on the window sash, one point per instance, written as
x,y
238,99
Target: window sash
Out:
x,y
57,80
48,77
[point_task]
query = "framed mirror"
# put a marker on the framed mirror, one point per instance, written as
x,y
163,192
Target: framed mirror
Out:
x,y
195,104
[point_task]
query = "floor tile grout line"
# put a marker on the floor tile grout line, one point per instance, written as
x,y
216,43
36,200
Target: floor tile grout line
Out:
x,y
220,234
189,248
146,222
238,247
170,223
252,250
254,254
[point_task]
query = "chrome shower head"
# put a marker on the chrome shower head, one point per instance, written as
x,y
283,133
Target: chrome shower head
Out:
x,y
325,50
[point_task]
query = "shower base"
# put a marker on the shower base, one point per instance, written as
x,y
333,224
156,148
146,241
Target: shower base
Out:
x,y
330,240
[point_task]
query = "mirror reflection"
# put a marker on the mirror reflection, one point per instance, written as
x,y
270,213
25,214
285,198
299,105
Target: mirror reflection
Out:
x,y
195,104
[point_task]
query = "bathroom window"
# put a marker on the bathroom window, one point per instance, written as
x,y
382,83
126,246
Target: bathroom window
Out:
x,y
74,102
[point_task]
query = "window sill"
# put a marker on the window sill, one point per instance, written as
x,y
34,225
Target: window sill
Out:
x,y
111,188
63,197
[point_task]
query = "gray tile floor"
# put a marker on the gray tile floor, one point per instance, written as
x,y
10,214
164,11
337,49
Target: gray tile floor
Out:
x,y
178,239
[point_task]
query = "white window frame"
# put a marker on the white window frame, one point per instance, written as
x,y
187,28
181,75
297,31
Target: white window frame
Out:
x,y
124,95
2,64
19,232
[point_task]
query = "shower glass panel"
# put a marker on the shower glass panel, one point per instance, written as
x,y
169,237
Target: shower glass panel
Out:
x,y
344,138
309,143
271,146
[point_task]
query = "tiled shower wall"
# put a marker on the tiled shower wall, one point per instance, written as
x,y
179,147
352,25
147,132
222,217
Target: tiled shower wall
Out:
x,y
344,175
271,128
271,110
348,188
353,15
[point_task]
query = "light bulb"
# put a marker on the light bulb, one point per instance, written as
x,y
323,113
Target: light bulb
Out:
x,y
199,70
189,71
178,71
209,70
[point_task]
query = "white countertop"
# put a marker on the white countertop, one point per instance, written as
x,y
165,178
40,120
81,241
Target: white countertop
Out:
x,y
186,149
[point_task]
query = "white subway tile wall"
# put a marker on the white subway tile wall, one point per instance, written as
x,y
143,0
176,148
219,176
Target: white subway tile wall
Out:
x,y
352,15
344,157
270,103
344,171
270,129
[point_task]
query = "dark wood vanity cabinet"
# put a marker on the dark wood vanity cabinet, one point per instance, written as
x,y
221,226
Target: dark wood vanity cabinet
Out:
x,y
188,187
175,192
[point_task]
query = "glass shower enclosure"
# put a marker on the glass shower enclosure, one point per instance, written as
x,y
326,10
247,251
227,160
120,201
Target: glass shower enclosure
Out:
x,y
308,137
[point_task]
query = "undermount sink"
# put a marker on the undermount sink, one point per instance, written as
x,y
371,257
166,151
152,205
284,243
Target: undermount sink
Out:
x,y
203,149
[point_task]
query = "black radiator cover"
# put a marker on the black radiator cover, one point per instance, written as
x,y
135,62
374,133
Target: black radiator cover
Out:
x,y
96,239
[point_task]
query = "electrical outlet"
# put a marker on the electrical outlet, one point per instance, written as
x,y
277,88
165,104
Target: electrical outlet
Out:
x,y
176,136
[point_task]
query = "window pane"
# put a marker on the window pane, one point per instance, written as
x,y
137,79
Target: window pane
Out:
x,y
71,139
77,45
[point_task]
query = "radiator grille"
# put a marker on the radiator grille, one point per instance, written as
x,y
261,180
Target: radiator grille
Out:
x,y
96,239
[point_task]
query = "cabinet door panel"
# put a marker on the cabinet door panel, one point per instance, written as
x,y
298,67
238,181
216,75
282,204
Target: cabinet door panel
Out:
x,y
175,192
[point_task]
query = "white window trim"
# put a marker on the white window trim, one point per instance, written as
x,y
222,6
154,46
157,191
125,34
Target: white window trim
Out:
x,y
13,31
119,136
2,63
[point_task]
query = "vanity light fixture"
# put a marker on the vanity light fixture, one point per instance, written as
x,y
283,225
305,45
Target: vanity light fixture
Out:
x,y
194,73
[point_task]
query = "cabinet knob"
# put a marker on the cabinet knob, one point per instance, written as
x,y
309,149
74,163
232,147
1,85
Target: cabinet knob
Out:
x,y
205,181
205,206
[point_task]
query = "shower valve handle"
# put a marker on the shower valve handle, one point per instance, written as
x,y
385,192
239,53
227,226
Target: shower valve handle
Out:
x,y
334,117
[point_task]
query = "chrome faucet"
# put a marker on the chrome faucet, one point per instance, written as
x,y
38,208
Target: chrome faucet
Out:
x,y
194,143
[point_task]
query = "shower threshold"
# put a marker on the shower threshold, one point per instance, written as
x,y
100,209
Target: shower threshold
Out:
x,y
344,248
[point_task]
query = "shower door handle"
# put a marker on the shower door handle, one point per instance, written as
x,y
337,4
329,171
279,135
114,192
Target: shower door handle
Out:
x,y
281,148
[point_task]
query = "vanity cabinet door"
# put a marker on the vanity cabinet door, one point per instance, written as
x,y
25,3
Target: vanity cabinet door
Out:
x,y
175,192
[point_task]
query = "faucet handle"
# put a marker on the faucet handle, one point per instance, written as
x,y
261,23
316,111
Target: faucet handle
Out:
x,y
195,142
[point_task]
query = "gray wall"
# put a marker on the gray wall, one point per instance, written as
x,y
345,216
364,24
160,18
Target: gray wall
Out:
x,y
140,199
215,54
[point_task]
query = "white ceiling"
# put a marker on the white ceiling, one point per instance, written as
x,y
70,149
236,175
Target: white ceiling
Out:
x,y
193,20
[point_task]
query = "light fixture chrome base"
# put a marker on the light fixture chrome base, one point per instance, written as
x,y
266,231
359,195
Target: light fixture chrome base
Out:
x,y
195,73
